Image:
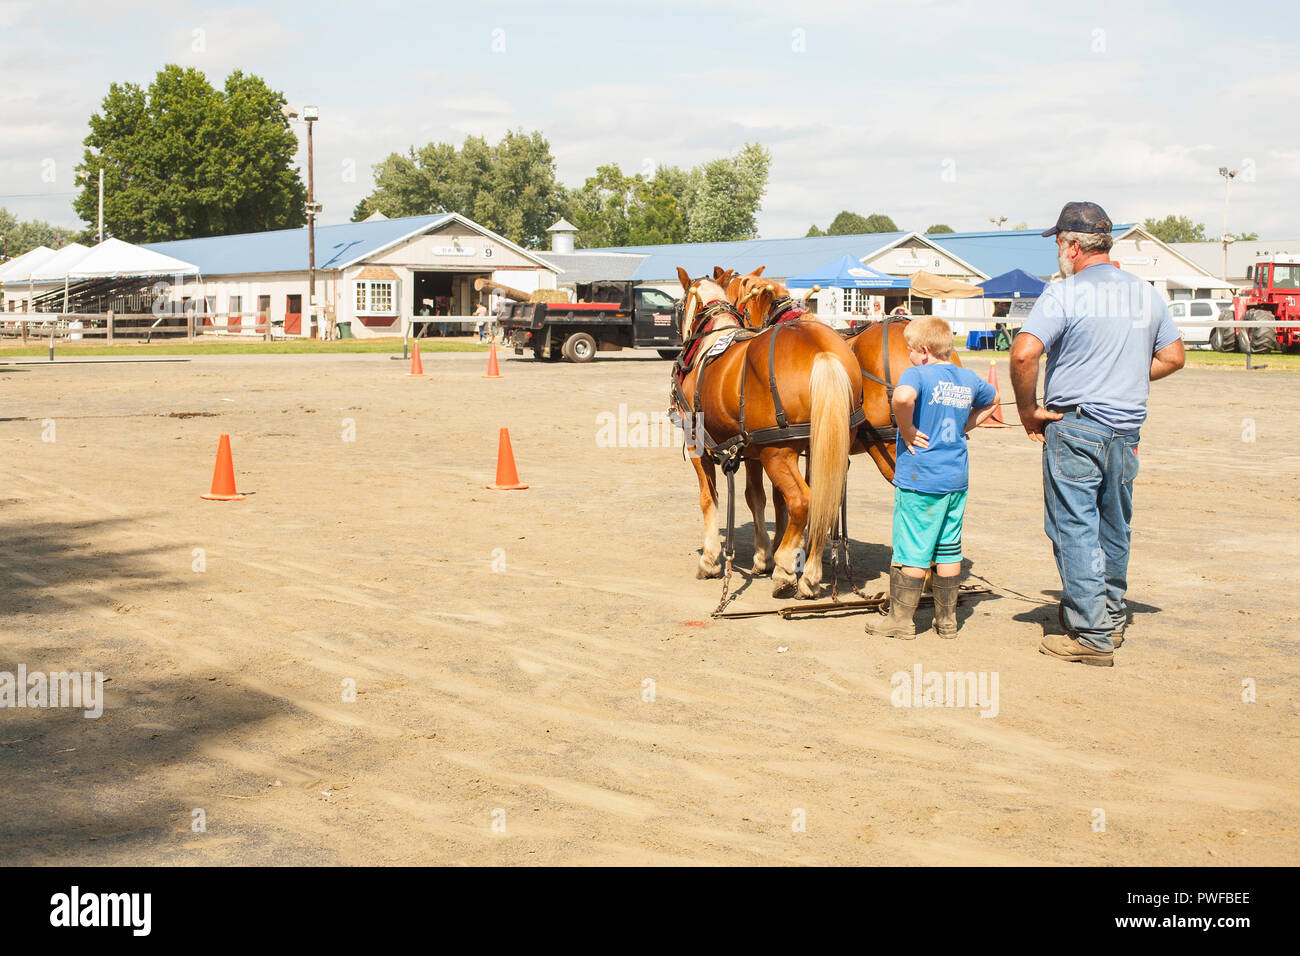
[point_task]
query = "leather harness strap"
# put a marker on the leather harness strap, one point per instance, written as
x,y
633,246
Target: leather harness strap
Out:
x,y
880,433
728,453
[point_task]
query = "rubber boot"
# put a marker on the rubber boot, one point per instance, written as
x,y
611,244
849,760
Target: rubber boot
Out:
x,y
904,595
945,605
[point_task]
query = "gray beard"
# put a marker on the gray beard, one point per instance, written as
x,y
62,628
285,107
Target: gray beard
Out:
x,y
1062,260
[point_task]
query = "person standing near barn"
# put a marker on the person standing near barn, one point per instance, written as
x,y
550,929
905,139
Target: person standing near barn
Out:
x,y
1107,335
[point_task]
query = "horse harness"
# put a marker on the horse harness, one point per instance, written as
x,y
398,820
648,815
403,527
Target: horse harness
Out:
x,y
881,434
728,453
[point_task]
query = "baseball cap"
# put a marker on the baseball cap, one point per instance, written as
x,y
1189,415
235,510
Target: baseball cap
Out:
x,y
1080,217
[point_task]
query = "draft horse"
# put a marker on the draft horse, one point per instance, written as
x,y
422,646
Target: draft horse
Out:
x,y
745,397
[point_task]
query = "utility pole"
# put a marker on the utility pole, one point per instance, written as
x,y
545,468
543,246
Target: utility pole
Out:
x,y
101,203
1227,175
310,114
998,221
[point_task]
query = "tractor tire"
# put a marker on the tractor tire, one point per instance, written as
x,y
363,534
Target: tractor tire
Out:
x,y
1257,340
579,348
1223,340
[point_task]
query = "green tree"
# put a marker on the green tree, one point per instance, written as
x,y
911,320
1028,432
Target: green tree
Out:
x,y
1175,229
814,230
848,224
1247,236
612,209
730,192
510,188
939,228
852,224
18,237
182,159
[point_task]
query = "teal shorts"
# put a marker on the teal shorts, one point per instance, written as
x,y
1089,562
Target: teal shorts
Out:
x,y
927,528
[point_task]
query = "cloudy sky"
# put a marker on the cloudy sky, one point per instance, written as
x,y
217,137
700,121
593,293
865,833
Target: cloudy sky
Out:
x,y
927,110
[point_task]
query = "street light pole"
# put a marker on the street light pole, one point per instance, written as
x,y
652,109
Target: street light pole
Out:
x,y
1227,175
998,221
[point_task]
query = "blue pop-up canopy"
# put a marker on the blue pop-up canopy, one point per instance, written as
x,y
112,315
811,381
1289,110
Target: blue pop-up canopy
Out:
x,y
846,273
1015,284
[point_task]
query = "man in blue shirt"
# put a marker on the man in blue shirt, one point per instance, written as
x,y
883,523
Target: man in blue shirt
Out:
x,y
1107,335
935,403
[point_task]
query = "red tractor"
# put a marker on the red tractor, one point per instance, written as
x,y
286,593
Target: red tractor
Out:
x,y
1275,295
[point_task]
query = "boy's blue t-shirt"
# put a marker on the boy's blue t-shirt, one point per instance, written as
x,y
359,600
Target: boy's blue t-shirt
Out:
x,y
945,396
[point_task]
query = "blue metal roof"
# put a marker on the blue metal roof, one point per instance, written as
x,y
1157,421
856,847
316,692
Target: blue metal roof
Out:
x,y
783,257
995,253
285,250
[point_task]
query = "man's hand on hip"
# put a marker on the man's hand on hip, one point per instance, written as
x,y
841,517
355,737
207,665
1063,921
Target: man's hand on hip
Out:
x,y
1036,419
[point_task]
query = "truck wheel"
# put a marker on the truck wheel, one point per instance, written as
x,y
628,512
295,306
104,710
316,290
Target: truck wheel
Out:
x,y
580,347
670,354
538,353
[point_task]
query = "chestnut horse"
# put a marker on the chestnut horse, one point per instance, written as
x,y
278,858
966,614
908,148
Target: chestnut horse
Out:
x,y
881,366
882,355
735,384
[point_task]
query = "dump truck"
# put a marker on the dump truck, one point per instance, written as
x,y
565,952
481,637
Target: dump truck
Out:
x,y
606,317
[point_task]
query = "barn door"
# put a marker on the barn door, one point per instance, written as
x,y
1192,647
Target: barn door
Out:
x,y
293,315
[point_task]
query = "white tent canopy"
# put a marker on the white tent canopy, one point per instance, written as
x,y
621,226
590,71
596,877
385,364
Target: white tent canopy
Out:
x,y
59,266
19,268
113,258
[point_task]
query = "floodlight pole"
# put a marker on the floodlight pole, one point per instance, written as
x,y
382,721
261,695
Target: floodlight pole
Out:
x,y
1227,175
101,203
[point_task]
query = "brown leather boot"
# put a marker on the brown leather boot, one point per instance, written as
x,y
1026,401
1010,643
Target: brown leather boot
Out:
x,y
904,596
945,605
1066,648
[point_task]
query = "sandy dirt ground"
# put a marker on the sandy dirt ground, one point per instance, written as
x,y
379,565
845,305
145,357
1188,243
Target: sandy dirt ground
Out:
x,y
501,644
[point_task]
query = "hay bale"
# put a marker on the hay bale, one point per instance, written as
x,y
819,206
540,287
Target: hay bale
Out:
x,y
549,295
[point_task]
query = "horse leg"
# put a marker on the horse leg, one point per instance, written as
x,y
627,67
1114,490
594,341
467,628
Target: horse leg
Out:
x,y
781,511
782,466
711,552
756,498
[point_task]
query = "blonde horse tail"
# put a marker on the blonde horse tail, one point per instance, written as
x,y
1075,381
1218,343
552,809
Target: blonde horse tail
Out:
x,y
828,445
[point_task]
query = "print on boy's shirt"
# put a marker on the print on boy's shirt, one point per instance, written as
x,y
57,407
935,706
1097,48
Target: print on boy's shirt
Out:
x,y
950,393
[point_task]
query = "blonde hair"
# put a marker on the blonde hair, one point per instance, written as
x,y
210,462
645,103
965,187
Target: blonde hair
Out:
x,y
931,333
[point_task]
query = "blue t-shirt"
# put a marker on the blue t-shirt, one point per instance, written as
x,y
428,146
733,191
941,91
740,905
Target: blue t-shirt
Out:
x,y
1100,328
945,395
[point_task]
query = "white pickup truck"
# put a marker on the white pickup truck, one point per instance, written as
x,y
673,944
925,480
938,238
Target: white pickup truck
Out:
x,y
1205,310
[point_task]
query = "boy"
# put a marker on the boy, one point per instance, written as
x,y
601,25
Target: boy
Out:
x,y
936,403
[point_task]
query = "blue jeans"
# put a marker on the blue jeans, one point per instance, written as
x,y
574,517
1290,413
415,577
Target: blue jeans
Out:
x,y
1088,472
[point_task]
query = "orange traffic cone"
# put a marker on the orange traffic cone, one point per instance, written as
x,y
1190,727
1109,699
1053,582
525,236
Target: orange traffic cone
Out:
x,y
223,476
417,367
995,420
493,371
507,476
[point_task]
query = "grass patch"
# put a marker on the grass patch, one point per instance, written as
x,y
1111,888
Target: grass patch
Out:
x,y
230,346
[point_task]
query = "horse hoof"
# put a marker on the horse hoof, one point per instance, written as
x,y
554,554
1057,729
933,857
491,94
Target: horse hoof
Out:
x,y
807,593
760,569
784,589
703,573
